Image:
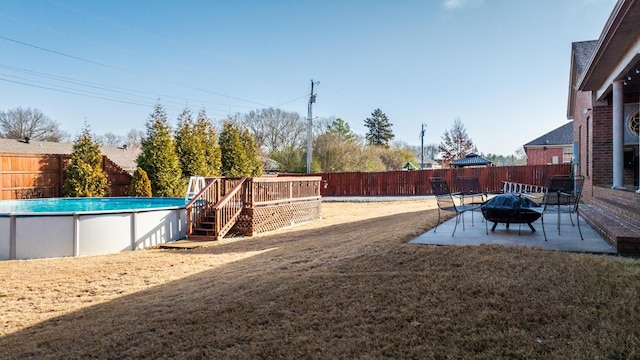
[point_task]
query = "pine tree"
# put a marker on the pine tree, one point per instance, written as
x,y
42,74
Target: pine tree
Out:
x,y
380,132
158,157
234,158
251,151
205,128
342,128
84,174
140,185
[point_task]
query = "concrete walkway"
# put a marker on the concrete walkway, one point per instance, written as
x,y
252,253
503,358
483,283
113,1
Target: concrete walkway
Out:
x,y
568,240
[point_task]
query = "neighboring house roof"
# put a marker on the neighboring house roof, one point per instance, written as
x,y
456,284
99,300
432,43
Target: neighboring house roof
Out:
x,y
472,159
582,51
125,158
270,165
560,136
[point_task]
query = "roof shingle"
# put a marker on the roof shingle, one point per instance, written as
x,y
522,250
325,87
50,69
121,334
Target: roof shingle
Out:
x,y
582,51
125,158
560,136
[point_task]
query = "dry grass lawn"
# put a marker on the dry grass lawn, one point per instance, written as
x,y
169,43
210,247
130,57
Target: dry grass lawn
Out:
x,y
346,286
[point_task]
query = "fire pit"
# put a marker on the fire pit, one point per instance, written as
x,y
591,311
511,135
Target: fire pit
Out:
x,y
511,209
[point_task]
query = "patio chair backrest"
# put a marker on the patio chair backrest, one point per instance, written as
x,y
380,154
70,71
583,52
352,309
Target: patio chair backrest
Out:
x,y
468,185
563,190
442,193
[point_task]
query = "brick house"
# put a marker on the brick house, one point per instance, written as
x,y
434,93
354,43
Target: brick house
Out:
x,y
604,104
554,147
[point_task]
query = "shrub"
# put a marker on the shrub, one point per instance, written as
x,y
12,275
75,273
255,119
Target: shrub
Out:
x,y
140,184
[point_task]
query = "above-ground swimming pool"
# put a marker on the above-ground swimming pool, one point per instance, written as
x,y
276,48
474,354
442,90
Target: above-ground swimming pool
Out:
x,y
58,227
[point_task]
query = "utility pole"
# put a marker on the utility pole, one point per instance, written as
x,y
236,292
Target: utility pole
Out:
x,y
312,99
422,146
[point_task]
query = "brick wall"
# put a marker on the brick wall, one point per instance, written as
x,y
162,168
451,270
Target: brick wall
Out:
x,y
602,146
543,155
583,134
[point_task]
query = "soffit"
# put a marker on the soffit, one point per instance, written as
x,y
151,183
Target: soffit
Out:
x,y
615,49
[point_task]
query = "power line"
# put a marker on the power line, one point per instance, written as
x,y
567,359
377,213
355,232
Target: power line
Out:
x,y
92,85
62,54
75,93
290,101
126,71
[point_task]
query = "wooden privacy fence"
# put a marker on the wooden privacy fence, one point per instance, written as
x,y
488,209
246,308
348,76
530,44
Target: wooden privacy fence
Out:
x,y
416,182
42,175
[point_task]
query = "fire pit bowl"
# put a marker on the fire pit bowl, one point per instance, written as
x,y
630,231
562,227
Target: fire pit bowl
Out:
x,y
511,209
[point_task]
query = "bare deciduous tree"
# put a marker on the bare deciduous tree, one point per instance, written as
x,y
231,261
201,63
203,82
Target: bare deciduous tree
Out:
x,y
274,130
455,143
20,123
134,138
111,139
335,153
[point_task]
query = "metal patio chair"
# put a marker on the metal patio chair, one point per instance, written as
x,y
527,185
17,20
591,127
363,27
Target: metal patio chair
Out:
x,y
447,202
469,190
563,194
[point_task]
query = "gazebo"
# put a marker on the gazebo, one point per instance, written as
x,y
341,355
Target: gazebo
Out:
x,y
472,159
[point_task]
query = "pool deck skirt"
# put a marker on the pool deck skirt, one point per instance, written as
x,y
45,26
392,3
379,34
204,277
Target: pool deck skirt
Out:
x,y
568,240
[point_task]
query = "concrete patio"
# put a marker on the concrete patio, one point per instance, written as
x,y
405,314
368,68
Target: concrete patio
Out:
x,y
568,240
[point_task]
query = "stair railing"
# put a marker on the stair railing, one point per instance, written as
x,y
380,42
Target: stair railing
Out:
x,y
202,203
229,208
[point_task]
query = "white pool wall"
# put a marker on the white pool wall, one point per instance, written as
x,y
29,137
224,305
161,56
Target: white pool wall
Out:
x,y
83,234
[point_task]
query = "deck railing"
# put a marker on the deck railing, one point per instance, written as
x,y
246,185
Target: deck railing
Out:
x,y
274,190
229,208
203,202
224,199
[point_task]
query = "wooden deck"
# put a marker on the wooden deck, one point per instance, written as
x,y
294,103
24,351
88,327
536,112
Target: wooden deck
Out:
x,y
187,244
249,206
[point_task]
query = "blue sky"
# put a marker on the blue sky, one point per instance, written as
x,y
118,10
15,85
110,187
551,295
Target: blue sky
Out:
x,y
501,66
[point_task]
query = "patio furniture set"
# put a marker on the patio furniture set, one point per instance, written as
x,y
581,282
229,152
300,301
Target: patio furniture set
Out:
x,y
560,194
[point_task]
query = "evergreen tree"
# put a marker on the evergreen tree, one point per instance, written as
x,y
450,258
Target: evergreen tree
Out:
x,y
380,132
234,158
190,146
205,128
84,175
140,185
342,128
455,144
251,151
158,157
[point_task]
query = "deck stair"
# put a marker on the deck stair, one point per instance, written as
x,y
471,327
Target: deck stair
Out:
x,y
205,229
615,215
211,215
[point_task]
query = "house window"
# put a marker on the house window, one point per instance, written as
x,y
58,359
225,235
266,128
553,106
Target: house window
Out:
x,y
634,123
554,160
567,155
